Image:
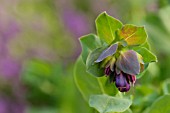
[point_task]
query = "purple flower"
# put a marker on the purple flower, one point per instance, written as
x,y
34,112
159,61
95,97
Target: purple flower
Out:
x,y
6,33
122,68
122,80
9,68
3,106
107,70
9,31
8,105
76,22
122,83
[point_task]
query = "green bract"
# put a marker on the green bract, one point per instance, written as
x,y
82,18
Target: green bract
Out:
x,y
133,35
106,27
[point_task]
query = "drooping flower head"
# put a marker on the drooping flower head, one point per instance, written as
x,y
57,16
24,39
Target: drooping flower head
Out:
x,y
121,52
123,68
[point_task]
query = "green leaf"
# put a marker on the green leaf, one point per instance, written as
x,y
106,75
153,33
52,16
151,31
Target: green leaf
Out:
x,y
147,55
161,105
92,67
128,111
41,110
133,35
105,104
156,29
88,43
146,45
38,68
106,27
35,72
141,74
165,16
88,84
108,87
166,86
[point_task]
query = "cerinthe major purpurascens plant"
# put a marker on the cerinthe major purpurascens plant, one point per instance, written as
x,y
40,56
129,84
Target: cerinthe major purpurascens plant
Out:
x,y
118,52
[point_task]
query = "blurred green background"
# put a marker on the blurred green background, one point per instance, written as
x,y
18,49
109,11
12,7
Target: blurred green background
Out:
x,y
39,45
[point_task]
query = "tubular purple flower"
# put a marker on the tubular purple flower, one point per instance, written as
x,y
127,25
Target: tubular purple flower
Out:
x,y
124,89
123,69
121,80
108,70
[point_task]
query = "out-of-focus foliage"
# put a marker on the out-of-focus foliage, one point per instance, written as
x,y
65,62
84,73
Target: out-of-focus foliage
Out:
x,y
39,45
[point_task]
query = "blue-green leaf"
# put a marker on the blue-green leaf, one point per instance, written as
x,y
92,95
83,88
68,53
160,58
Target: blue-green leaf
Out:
x,y
106,104
88,43
161,105
147,55
92,67
88,84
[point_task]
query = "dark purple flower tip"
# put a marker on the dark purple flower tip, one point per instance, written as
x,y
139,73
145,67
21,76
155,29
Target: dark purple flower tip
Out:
x,y
124,89
121,80
107,71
